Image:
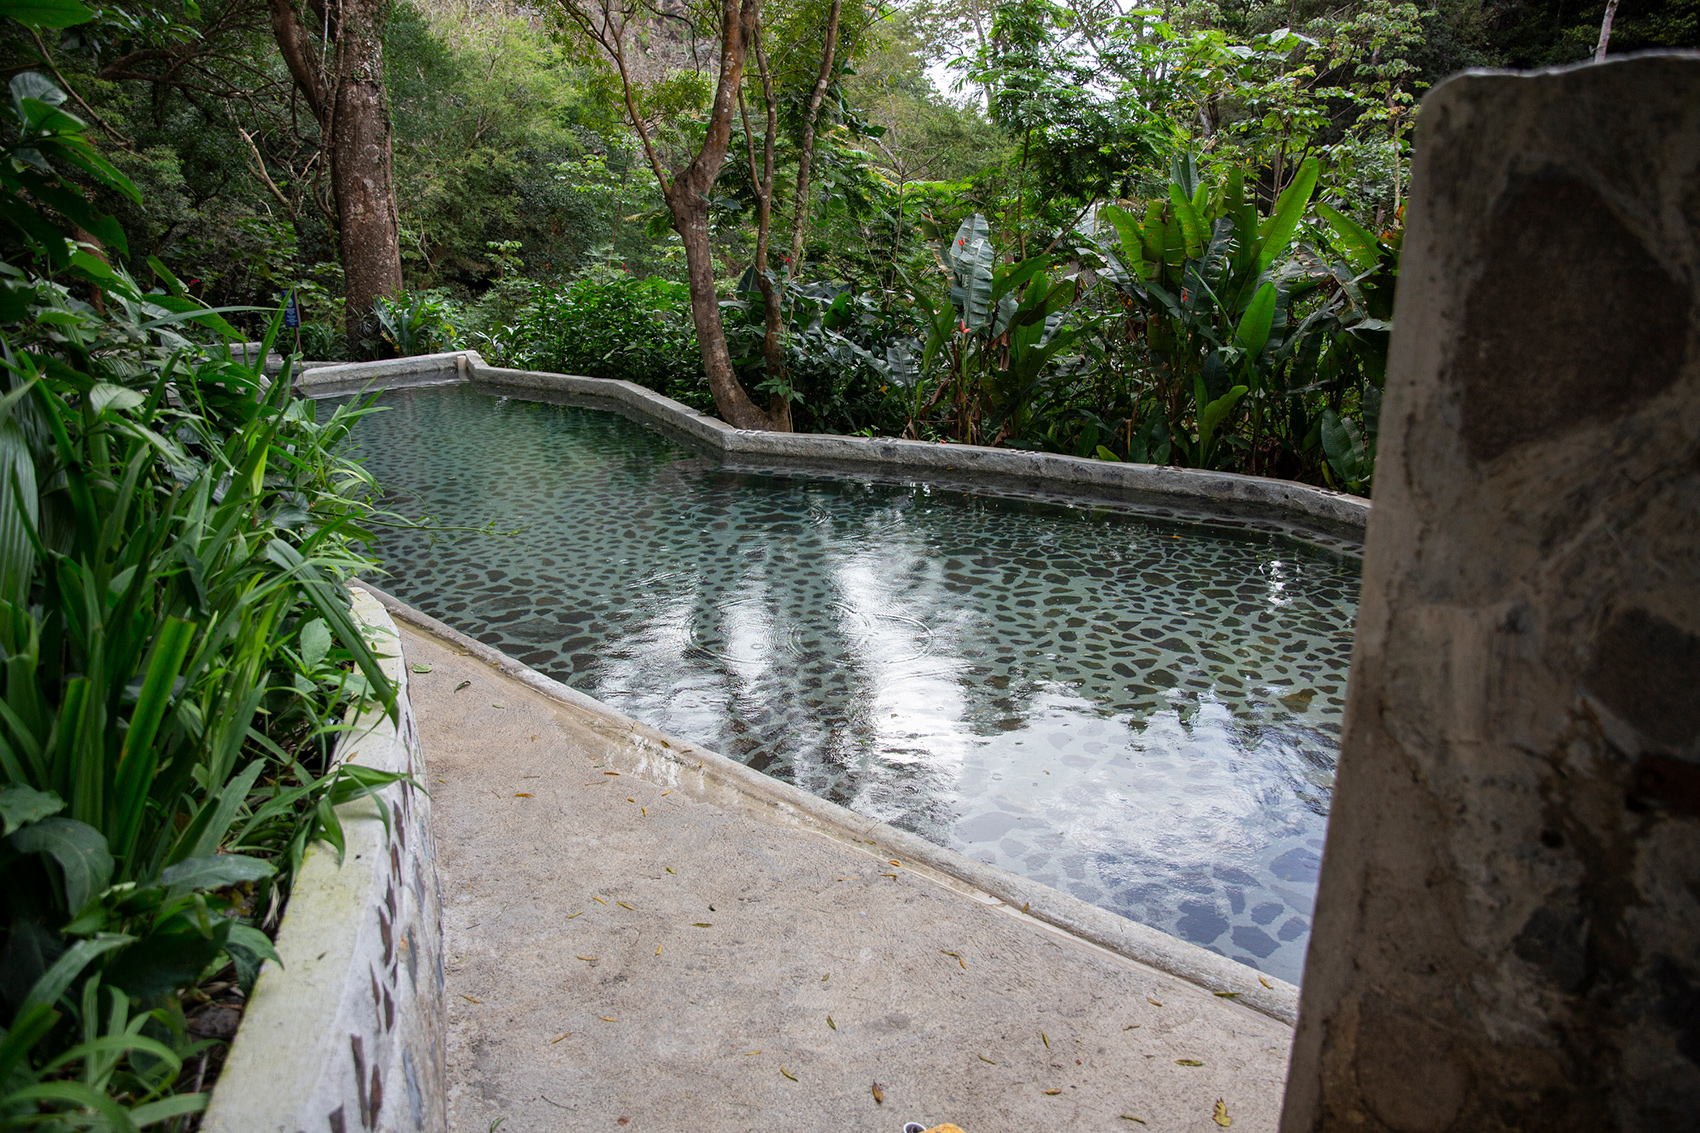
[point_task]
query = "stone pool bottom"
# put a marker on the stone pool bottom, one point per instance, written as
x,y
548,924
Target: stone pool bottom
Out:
x,y
1141,713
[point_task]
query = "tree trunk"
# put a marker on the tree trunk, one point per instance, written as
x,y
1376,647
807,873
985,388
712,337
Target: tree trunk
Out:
x,y
362,176
1605,31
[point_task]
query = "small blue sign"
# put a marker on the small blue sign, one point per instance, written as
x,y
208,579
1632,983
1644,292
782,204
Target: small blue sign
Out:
x,y
291,312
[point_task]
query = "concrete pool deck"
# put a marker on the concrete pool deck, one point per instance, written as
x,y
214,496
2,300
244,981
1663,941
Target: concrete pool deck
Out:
x,y
630,945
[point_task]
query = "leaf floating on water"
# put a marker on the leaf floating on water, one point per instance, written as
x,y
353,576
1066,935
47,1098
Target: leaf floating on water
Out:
x,y
1265,983
879,1094
421,667
1227,995
1220,1114
1053,1092
1047,1039
787,1073
1188,1062
830,1023
623,905
986,1060
469,999
463,684
558,1038
523,795
1152,1002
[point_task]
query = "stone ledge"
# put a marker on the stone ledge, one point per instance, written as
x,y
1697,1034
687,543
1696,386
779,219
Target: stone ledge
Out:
x,y
668,756
348,1033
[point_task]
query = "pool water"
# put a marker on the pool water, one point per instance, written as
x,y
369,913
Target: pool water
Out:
x,y
1139,712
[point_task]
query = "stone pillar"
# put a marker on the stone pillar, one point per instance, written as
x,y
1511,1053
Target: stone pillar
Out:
x,y
1507,933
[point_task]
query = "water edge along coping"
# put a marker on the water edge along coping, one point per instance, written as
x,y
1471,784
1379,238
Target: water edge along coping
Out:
x,y
348,1033
1198,493
668,756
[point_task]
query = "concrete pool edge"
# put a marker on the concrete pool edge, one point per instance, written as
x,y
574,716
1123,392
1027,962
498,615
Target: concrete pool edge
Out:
x,y
1223,492
1276,999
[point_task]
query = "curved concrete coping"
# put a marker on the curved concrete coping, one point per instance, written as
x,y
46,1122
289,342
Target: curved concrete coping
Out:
x,y
347,1033
1197,495
672,761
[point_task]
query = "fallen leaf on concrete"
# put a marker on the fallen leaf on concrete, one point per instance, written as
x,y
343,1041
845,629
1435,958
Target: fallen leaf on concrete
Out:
x,y
787,1073
630,800
463,684
1047,1039
421,667
669,869
1053,1092
558,1038
623,1121
580,913
895,862
623,905
442,780
605,1019
469,999
1131,1027
644,811
1227,995
702,924
1024,905
533,739
879,1094
893,876
1265,983
502,706
664,794
959,960
1130,1117
986,1060
1220,1114
1152,1002
826,977
588,959
1188,1062
942,952
610,773
747,1053
658,949
523,795
599,900
830,1023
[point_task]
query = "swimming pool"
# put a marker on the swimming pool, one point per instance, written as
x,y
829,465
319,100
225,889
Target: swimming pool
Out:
x,y
1140,712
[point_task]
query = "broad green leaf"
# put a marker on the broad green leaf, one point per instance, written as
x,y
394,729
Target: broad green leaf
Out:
x,y
30,84
248,949
215,871
152,1113
21,805
106,396
1253,330
1279,228
1192,229
80,850
1356,244
46,13
315,644
1210,418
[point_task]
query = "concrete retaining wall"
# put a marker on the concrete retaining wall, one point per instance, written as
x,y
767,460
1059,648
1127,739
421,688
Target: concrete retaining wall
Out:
x,y
347,1034
1195,493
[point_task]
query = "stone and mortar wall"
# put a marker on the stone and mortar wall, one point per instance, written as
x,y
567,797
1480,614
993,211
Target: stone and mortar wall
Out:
x,y
1507,933
347,1035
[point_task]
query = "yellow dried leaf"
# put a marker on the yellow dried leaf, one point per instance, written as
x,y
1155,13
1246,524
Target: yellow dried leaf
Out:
x,y
669,869
644,810
588,959
702,924
1131,1027
879,1094
1188,1062
787,1073
605,1019
630,800
893,876
442,780
599,900
944,953
1152,1002
986,1060
623,905
668,791
747,1053
580,913
830,1023
1053,1092
1024,905
1130,1117
1047,1039
1227,995
959,960
469,999
1265,983
533,739
610,773
826,977
558,1038
1220,1114
523,795
894,862
658,949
